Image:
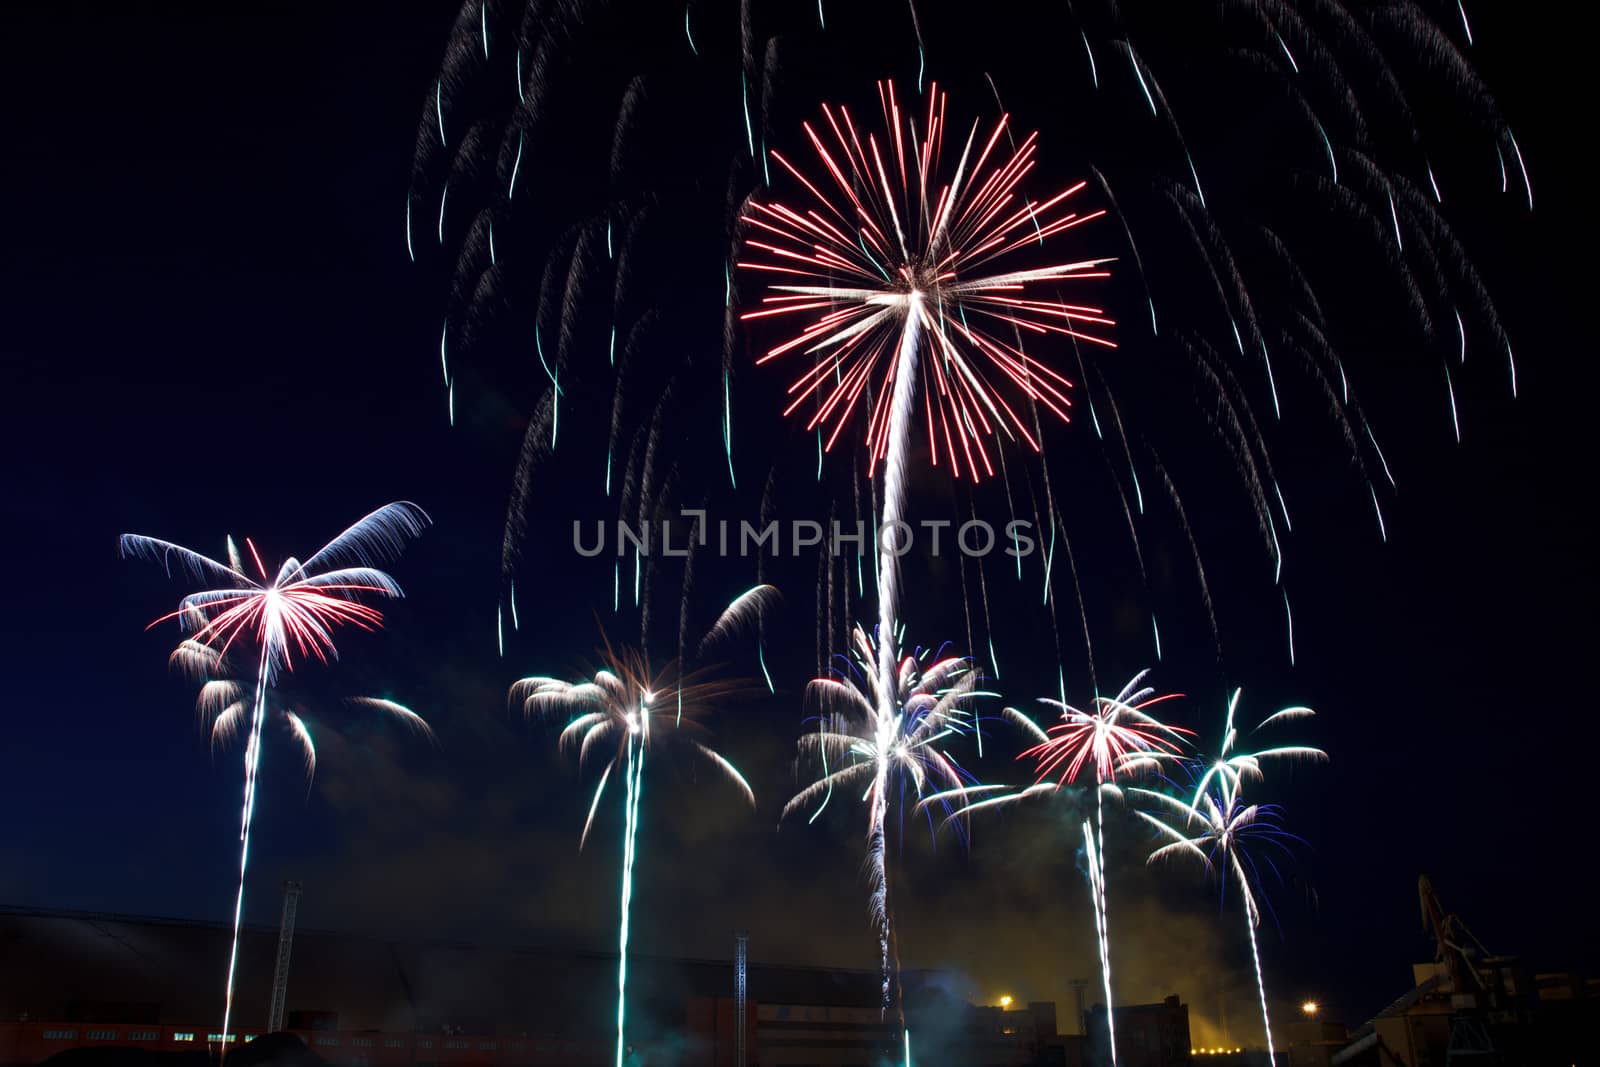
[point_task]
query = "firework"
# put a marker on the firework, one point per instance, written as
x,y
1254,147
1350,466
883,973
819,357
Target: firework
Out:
x,y
1118,737
225,702
624,711
865,736
1097,896
906,273
1221,830
1232,764
906,268
1115,736
289,615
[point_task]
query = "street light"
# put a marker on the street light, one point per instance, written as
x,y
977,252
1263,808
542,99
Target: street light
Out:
x,y
1005,1001
1309,1008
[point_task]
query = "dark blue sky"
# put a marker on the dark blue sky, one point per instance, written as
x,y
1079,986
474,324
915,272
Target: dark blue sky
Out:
x,y
212,327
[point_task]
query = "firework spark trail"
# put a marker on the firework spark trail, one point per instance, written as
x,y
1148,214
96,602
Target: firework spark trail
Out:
x,y
1236,427
1083,610
878,871
966,607
761,572
1153,95
291,614
1250,920
650,496
1097,890
1218,827
1194,552
1127,230
535,449
988,628
252,767
623,704
1218,832
824,618
1103,908
893,505
863,743
1056,522
634,772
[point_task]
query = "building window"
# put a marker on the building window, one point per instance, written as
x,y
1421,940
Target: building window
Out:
x,y
424,1044
183,1035
328,1042
393,1042
61,1035
362,1042
102,1035
223,1038
144,1035
486,1046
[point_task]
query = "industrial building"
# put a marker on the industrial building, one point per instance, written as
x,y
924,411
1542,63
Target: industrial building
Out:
x,y
1147,1035
71,980
1468,1007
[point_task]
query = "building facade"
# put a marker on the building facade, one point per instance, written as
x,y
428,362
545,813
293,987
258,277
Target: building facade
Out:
x,y
71,980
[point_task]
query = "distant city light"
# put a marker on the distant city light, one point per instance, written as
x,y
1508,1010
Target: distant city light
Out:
x,y
1005,1001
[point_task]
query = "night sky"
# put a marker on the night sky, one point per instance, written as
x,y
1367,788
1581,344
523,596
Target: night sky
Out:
x,y
211,326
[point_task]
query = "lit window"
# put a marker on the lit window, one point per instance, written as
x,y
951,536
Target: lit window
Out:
x,y
61,1035
102,1035
221,1038
183,1035
144,1035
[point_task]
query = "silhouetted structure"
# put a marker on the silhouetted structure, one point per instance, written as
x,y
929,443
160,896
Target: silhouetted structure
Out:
x,y
1472,1008
70,980
1148,1035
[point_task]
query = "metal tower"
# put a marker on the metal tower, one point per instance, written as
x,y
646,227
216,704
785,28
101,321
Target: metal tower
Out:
x,y
280,975
741,959
1472,999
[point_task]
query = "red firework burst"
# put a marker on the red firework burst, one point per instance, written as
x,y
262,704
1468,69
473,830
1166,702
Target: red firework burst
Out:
x,y
1118,731
907,248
